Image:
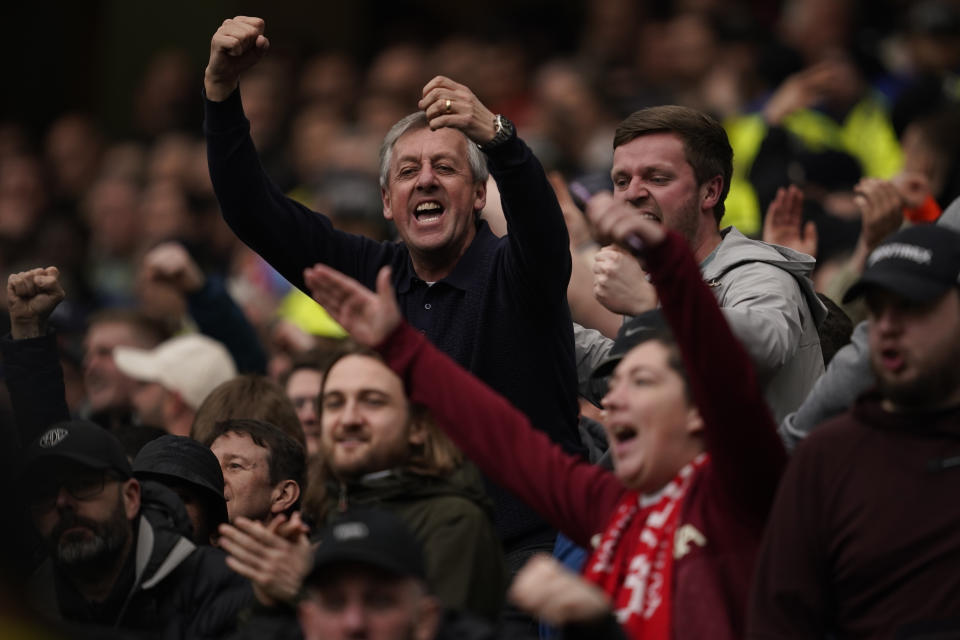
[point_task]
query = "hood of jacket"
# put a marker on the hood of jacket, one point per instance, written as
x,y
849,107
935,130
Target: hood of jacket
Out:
x,y
160,546
737,249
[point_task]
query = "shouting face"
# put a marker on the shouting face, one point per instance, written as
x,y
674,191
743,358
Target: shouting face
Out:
x,y
914,349
652,174
431,194
651,425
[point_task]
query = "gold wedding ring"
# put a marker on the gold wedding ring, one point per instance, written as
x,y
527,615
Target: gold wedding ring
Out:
x,y
446,106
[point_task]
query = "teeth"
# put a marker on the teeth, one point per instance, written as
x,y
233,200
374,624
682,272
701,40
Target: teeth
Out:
x,y
428,206
649,216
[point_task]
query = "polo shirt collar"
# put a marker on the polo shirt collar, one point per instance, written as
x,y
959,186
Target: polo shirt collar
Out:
x,y
468,270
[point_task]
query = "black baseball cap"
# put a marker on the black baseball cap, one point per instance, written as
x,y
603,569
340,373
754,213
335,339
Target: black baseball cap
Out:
x,y
919,263
80,441
634,331
183,459
373,538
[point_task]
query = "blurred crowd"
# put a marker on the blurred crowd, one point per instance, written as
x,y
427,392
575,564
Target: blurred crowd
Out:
x,y
843,117
815,93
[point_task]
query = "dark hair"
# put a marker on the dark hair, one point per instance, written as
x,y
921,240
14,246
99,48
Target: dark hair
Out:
x,y
655,329
247,396
287,457
705,143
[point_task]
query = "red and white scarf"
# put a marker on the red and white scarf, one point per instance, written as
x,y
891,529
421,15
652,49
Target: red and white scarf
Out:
x,y
634,561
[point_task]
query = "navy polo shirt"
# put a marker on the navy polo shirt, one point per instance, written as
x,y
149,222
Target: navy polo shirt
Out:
x,y
501,313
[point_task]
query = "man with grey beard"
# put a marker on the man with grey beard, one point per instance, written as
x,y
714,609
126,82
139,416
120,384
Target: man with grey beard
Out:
x,y
117,557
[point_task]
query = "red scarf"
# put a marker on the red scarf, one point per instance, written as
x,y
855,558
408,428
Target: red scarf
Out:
x,y
634,561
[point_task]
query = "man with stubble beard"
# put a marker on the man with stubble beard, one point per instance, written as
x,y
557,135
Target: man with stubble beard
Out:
x,y
863,538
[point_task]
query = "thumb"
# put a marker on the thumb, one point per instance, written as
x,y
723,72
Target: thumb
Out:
x,y
384,288
810,233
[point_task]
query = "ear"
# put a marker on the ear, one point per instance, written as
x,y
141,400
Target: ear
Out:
x,y
385,197
130,492
284,496
309,616
694,425
178,404
479,196
710,193
417,432
428,620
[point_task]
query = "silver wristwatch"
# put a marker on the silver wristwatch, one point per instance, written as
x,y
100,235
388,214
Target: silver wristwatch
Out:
x,y
503,131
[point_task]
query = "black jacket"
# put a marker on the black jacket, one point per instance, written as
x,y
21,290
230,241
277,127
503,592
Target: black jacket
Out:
x,y
169,587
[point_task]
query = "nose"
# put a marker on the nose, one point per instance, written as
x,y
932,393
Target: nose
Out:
x,y
64,499
306,410
611,399
354,619
351,413
887,320
636,192
426,179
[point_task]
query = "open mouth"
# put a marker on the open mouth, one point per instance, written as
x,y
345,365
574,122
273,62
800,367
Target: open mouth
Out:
x,y
891,360
429,211
649,216
624,433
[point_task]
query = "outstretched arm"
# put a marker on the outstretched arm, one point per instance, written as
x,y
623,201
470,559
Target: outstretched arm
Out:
x,y
236,46
746,452
285,233
31,361
572,495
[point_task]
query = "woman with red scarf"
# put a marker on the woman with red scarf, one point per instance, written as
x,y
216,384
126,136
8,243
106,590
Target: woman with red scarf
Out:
x,y
675,527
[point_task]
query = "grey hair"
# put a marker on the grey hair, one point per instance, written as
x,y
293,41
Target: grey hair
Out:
x,y
413,122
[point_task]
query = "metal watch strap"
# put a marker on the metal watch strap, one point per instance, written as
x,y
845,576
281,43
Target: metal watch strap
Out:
x,y
504,130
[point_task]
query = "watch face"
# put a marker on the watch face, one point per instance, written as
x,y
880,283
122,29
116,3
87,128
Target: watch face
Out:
x,y
503,130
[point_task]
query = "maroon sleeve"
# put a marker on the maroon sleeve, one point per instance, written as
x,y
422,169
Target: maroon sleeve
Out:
x,y
575,497
747,456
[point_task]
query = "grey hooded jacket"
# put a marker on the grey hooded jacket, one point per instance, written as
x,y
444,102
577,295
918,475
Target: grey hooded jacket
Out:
x,y
767,296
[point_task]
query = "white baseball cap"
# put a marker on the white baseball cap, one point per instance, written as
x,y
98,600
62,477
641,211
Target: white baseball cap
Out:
x,y
192,365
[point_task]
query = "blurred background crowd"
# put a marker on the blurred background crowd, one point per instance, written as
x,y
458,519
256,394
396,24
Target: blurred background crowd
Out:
x,y
102,159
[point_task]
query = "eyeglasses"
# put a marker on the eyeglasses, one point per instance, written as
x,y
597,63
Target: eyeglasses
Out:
x,y
81,485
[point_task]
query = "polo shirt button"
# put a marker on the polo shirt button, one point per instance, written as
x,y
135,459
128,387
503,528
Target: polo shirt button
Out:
x,y
427,306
